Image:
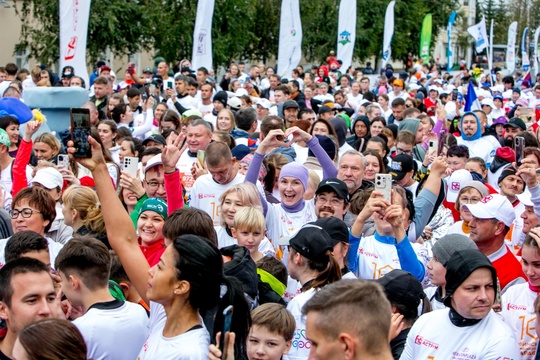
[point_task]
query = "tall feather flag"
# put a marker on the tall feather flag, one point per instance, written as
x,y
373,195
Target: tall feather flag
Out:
x,y
388,32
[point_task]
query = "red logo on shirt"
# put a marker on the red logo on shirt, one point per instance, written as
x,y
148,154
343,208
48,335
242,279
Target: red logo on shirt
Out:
x,y
486,199
516,307
418,340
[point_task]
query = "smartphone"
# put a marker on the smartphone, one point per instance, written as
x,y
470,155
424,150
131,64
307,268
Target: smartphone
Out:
x,y
224,339
454,94
433,145
519,145
80,130
200,157
383,183
152,89
63,161
131,164
442,141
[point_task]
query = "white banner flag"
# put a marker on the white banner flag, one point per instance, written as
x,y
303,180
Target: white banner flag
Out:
x,y
73,32
535,60
388,33
490,51
202,35
479,33
290,38
346,33
511,48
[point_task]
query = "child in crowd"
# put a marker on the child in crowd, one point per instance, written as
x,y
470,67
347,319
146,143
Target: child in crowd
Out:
x,y
270,336
249,230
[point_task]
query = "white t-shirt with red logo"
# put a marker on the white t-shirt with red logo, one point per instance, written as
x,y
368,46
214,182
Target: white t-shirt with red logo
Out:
x,y
434,337
518,313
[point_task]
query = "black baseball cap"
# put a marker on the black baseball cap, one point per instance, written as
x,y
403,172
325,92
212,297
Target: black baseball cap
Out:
x,y
311,241
401,165
324,109
336,228
516,123
334,185
401,287
155,138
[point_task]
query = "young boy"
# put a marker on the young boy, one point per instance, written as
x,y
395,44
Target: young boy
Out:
x,y
270,336
111,328
249,230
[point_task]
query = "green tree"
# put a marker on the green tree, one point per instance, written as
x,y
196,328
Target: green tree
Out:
x,y
319,28
407,25
122,25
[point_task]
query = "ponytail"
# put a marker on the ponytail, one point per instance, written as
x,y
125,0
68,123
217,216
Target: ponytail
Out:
x,y
329,271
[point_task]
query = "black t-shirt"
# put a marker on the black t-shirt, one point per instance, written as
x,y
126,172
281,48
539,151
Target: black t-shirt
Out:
x,y
398,343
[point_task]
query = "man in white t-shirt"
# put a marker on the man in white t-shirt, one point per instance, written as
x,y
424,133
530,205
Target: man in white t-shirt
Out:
x,y
111,328
468,329
198,136
11,71
206,106
222,173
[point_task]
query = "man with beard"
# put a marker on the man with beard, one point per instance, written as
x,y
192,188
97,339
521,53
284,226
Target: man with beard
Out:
x,y
513,127
332,199
471,136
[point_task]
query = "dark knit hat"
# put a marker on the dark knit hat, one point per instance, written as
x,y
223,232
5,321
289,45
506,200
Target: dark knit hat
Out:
x,y
507,172
460,266
402,287
222,97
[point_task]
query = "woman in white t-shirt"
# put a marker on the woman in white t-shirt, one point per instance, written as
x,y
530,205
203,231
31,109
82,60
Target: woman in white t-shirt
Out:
x,y
185,284
284,219
518,310
312,263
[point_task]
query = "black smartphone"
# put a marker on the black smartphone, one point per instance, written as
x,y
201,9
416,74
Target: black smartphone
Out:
x,y
224,338
519,145
443,138
454,94
80,130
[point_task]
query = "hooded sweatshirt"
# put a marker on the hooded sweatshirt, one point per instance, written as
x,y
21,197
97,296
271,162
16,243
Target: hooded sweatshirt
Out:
x,y
477,145
356,142
412,125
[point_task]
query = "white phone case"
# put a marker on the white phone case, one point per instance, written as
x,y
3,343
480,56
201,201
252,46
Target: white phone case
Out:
x,y
130,165
383,184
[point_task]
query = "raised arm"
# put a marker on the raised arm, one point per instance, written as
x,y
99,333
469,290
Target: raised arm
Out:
x,y
148,119
20,181
173,184
120,231
328,166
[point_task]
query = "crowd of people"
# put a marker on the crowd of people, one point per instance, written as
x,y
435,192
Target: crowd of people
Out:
x,y
339,214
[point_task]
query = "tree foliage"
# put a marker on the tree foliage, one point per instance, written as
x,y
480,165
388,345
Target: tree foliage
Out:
x,y
241,29
122,25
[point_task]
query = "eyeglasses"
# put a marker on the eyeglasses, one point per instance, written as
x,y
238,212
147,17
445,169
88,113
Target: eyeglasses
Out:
x,y
26,213
400,151
466,200
333,201
154,185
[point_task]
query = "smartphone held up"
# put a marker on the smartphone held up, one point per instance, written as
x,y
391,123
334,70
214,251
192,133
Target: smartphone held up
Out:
x,y
80,130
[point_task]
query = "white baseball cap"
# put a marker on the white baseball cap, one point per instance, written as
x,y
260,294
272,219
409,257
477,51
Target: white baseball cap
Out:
x,y
154,161
49,177
265,103
488,102
455,182
493,206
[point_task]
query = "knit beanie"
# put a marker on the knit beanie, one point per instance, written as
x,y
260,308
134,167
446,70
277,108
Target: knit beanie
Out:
x,y
222,97
156,205
507,172
449,244
297,171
